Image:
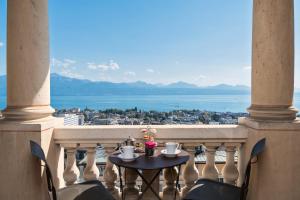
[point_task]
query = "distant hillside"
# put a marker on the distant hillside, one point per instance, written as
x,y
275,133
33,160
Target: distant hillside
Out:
x,y
180,84
65,86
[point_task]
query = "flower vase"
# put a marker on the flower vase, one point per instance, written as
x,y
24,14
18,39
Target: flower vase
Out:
x,y
149,152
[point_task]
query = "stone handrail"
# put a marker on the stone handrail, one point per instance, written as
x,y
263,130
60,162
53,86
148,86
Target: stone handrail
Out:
x,y
229,137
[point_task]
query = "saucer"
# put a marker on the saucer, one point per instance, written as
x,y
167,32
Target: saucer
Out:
x,y
170,155
135,156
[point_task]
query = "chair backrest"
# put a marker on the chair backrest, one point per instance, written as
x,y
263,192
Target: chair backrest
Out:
x,y
37,151
256,150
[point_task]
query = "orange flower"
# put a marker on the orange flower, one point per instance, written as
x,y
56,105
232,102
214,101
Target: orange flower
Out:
x,y
146,137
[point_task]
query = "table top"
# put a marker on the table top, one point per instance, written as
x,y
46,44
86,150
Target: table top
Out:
x,y
158,161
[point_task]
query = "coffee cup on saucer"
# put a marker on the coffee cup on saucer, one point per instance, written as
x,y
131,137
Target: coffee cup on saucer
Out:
x,y
171,147
171,150
127,152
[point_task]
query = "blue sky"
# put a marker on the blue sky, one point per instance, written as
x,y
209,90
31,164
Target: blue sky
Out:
x,y
196,41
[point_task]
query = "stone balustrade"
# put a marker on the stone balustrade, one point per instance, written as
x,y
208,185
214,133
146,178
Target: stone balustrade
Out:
x,y
228,138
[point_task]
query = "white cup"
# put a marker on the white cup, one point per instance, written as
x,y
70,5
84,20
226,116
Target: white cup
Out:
x,y
171,147
127,151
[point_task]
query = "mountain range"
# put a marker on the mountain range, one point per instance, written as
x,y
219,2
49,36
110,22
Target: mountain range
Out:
x,y
66,86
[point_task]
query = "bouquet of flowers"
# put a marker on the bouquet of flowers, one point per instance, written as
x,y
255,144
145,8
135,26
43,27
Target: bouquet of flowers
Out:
x,y
150,144
149,133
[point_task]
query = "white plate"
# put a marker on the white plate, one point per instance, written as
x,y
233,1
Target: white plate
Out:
x,y
135,156
170,155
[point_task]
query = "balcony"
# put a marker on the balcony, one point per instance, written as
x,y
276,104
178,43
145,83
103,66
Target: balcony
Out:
x,y
28,116
229,138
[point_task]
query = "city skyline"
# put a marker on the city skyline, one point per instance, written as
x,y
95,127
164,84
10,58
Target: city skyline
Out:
x,y
203,43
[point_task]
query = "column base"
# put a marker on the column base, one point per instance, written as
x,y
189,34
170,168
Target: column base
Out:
x,y
27,113
272,113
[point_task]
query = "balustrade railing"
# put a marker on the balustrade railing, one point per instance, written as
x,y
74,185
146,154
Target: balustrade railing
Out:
x,y
228,138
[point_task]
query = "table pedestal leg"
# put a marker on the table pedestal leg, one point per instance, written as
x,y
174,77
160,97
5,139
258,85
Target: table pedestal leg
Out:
x,y
148,184
148,175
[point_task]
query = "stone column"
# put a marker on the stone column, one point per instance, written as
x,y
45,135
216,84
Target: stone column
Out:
x,y
28,75
28,99
273,60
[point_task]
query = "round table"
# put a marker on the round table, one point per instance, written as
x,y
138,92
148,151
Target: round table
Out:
x,y
157,162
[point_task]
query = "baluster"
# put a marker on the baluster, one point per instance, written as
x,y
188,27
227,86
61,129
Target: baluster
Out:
x,y
210,170
230,171
131,191
71,172
170,175
190,173
91,171
111,175
241,164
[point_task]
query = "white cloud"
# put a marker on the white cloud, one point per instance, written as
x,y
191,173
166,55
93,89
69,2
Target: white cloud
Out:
x,y
62,63
247,67
1,44
112,65
69,61
69,73
55,62
92,65
130,73
201,77
150,70
65,67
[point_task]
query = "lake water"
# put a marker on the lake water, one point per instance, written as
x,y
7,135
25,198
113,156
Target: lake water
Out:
x,y
221,103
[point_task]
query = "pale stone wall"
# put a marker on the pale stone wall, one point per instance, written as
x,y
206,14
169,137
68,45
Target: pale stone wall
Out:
x,y
21,174
276,175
